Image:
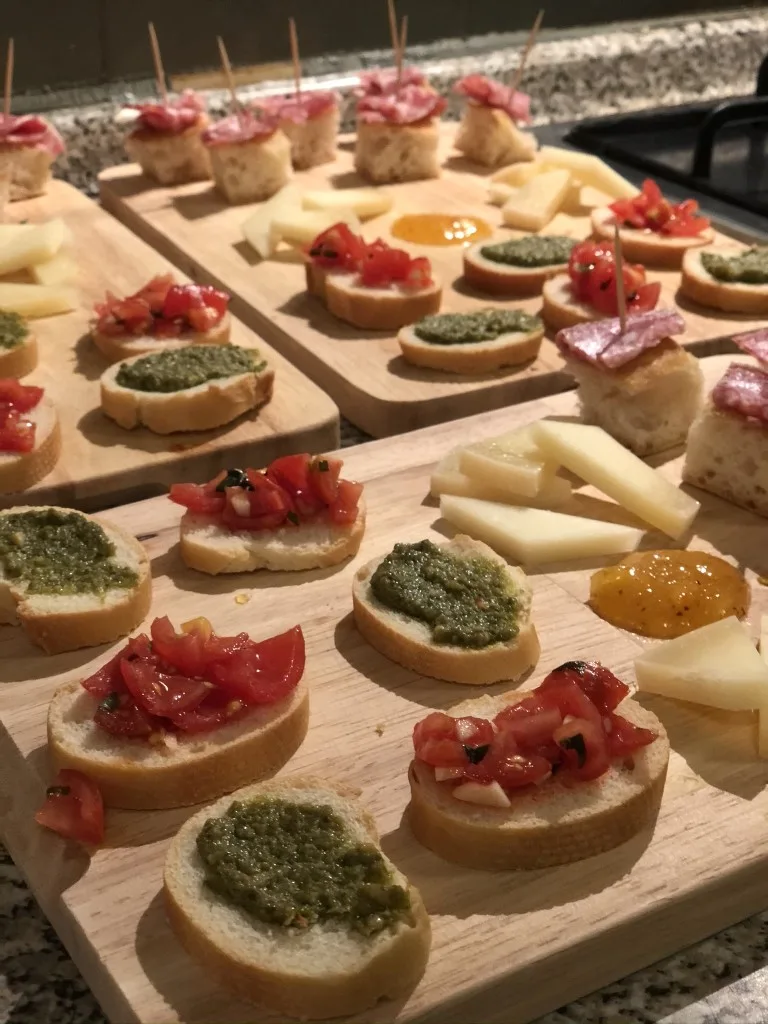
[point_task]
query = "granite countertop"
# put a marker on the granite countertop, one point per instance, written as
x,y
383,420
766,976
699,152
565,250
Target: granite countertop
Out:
x,y
620,68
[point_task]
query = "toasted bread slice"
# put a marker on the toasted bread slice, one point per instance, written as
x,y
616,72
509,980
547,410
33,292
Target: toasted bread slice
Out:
x,y
378,309
313,141
491,138
21,359
732,297
20,470
510,349
649,403
251,171
314,974
503,279
560,309
30,170
647,247
553,824
126,346
388,153
408,641
171,159
178,769
210,548
60,623
200,408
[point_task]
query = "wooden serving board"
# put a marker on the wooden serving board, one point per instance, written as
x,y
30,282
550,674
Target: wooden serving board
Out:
x,y
363,371
506,947
102,464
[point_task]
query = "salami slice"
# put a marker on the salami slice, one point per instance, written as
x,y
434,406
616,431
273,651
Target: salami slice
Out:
x,y
413,103
383,81
239,128
489,93
604,344
30,130
296,108
744,391
169,118
755,343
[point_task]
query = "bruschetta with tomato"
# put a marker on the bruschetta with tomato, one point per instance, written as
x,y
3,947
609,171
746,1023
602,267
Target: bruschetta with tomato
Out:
x,y
370,285
178,718
528,780
161,315
588,290
30,436
298,513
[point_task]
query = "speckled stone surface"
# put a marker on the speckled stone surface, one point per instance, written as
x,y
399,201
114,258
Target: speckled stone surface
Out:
x,y
719,981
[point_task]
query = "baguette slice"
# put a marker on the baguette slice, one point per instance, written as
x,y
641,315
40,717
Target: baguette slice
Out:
x,y
30,170
171,159
253,170
376,309
647,247
21,359
491,138
560,309
20,470
313,141
408,641
388,153
69,622
552,825
184,769
126,346
503,279
319,973
698,285
200,408
208,547
509,349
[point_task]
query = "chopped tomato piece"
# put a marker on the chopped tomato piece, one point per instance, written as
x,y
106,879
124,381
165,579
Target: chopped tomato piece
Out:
x,y
74,808
419,274
17,434
338,247
201,499
624,738
602,687
345,509
531,722
159,693
291,473
119,715
19,396
585,751
324,478
383,265
182,651
649,210
592,270
263,672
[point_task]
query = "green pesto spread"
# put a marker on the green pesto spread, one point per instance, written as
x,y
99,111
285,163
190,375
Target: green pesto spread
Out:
x,y
182,368
296,865
748,267
60,552
467,328
531,251
13,330
466,601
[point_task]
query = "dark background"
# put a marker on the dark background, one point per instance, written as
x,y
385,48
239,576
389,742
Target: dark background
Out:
x,y
85,42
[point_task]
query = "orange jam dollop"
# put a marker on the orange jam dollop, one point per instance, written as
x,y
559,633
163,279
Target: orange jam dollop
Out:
x,y
440,229
664,594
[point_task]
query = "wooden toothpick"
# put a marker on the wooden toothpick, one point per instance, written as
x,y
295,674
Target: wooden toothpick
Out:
x,y
621,297
8,80
527,50
401,49
228,76
295,54
393,33
159,72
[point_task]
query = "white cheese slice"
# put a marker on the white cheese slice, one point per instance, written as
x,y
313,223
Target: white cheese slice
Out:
x,y
61,269
499,192
512,461
534,536
600,460
365,202
518,174
257,228
8,232
37,245
447,478
35,300
589,170
486,794
300,227
534,205
717,665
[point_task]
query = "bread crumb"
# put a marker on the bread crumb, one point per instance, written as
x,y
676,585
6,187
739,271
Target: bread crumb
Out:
x,y
379,730
242,598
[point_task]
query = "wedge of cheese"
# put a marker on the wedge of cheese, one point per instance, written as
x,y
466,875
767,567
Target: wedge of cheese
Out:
x,y
589,170
518,174
365,202
512,461
717,665
9,232
300,227
60,270
35,300
536,536
447,478
534,205
499,192
37,245
257,229
600,460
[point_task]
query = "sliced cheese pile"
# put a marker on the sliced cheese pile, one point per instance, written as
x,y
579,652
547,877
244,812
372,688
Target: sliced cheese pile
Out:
x,y
37,250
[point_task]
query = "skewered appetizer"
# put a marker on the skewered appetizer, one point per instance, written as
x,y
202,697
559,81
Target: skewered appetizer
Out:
x,y
472,343
397,135
18,346
371,286
30,436
166,140
651,228
193,387
728,277
637,384
32,145
250,157
385,81
298,513
588,290
163,315
310,120
516,266
489,133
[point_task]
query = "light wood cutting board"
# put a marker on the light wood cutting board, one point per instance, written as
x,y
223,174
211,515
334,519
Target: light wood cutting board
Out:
x,y
363,371
101,463
506,947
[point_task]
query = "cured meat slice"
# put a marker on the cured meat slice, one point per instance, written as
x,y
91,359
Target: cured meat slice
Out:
x,y
489,93
298,108
744,391
604,344
239,128
413,103
170,118
383,81
755,343
30,130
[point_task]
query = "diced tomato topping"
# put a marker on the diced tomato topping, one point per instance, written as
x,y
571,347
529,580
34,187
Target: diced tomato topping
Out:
x,y
345,509
291,473
568,727
337,247
324,478
73,807
162,309
200,499
378,264
119,715
19,396
592,270
652,212
17,431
